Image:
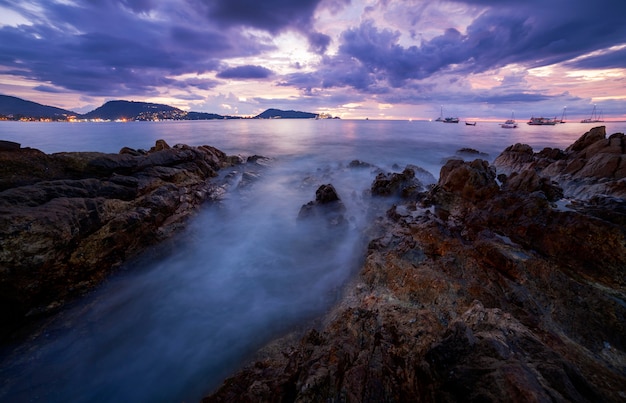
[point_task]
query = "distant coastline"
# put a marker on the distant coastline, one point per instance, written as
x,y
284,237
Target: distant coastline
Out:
x,y
17,109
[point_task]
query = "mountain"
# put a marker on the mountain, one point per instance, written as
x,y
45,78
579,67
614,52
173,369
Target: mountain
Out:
x,y
15,108
277,113
130,110
19,107
206,116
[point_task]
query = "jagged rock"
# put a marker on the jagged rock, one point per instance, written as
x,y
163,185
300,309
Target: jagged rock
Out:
x,y
403,184
529,181
592,165
68,219
326,207
513,299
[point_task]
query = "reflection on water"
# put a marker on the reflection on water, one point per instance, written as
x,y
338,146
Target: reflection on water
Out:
x,y
245,271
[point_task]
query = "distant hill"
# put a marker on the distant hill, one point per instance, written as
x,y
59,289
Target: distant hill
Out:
x,y
19,107
114,110
206,116
15,108
277,113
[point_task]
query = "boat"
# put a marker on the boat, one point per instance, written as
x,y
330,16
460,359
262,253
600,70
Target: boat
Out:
x,y
440,118
563,116
470,123
509,123
595,117
542,121
446,120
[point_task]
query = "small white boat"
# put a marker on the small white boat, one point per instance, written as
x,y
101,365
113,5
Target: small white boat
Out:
x,y
542,121
510,123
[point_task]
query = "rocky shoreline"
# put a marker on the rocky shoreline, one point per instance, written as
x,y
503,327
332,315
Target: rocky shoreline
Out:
x,y
68,220
485,287
502,282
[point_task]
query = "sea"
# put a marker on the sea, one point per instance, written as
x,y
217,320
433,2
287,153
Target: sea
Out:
x,y
171,328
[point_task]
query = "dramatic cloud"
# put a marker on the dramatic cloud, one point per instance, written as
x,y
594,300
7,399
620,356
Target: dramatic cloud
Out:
x,y
273,16
75,47
496,38
603,60
246,72
408,52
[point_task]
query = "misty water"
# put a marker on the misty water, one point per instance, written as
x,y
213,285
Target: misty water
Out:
x,y
171,326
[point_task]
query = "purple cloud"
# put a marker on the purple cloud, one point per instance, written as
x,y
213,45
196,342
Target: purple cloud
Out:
x,y
246,72
117,48
273,16
610,59
371,58
76,48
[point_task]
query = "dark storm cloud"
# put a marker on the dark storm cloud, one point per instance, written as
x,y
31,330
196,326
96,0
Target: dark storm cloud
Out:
x,y
246,72
273,16
110,47
269,15
609,59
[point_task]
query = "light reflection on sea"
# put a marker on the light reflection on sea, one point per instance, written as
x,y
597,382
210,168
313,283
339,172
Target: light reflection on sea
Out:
x,y
168,329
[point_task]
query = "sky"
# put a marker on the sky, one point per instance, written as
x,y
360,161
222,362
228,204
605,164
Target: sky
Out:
x,y
380,59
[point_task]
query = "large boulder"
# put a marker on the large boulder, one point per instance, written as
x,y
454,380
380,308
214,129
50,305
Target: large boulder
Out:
x,y
327,208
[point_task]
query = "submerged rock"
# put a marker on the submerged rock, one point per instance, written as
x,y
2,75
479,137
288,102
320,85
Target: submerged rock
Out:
x,y
505,297
68,219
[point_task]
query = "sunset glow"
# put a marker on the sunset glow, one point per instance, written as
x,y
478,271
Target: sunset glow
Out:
x,y
401,59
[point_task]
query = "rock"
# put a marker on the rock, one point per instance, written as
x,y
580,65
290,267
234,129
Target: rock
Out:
x,y
505,298
403,184
67,220
592,165
529,181
471,153
360,164
9,145
327,208
596,134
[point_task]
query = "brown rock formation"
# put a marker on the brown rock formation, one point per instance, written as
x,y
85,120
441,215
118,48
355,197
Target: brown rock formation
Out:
x,y
593,165
68,219
496,296
327,208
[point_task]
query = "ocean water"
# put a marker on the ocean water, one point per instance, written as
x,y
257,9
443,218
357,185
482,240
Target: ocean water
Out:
x,y
171,329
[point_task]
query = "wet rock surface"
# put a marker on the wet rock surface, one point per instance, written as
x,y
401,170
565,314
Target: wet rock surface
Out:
x,y
475,291
67,220
595,164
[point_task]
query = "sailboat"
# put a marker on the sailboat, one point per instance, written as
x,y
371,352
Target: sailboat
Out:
x,y
595,117
510,123
440,118
563,116
446,120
